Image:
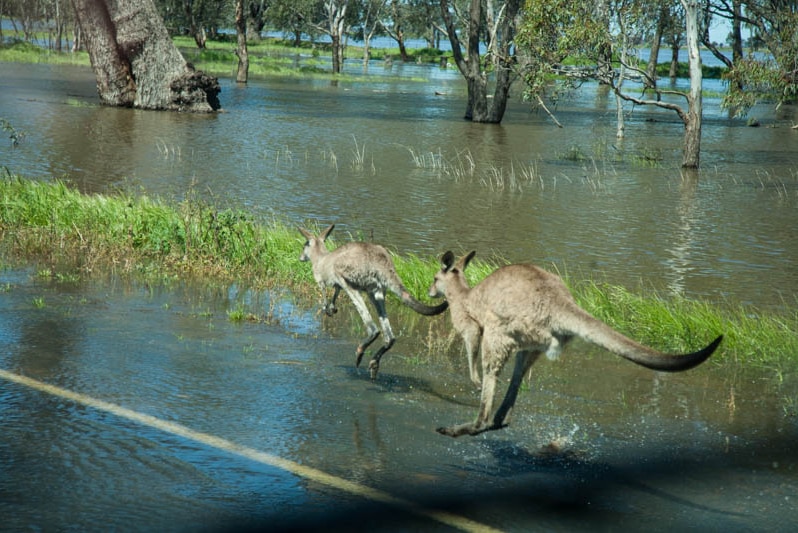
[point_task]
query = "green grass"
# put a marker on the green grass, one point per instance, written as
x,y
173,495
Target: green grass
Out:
x,y
268,57
73,235
24,52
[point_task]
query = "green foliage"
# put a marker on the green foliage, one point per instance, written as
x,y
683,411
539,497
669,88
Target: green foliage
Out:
x,y
555,31
751,81
774,79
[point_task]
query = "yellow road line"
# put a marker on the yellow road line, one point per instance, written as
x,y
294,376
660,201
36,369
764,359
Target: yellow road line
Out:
x,y
207,439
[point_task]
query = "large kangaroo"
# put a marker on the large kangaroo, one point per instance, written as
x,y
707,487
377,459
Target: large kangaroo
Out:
x,y
526,310
366,267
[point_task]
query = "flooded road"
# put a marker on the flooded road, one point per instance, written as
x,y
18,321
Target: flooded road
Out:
x,y
188,420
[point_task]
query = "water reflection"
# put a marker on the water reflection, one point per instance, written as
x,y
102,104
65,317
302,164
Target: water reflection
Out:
x,y
683,236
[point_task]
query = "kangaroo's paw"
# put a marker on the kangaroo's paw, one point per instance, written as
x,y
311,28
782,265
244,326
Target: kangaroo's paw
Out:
x,y
330,309
374,367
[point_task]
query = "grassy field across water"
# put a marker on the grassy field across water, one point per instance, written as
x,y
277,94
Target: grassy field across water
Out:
x,y
71,235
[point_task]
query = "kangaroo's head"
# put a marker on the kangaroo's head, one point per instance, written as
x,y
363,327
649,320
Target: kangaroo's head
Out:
x,y
451,275
314,245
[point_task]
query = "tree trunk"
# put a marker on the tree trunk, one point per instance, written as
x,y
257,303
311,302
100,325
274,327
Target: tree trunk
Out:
x,y
366,51
737,33
135,61
257,22
337,21
400,39
692,126
656,42
196,32
336,54
674,69
478,108
241,50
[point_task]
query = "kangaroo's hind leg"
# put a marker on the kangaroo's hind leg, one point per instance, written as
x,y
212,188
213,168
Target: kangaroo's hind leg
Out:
x,y
523,362
371,328
378,300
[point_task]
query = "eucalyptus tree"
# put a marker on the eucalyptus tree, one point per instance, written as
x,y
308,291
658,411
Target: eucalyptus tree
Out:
x,y
32,16
394,25
329,17
295,17
334,24
372,12
256,13
424,19
666,20
774,78
198,18
497,22
554,30
135,62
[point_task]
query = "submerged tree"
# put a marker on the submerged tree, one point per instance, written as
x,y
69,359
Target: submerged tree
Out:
x,y
135,61
752,79
497,21
554,30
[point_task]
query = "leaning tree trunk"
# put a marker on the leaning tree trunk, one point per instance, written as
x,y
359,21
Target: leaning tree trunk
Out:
x,y
135,61
692,123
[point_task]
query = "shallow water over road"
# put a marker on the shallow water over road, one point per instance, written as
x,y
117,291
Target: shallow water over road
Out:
x,y
391,159
707,449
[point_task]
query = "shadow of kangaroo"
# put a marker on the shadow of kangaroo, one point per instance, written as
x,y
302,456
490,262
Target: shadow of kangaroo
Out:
x,y
526,310
359,267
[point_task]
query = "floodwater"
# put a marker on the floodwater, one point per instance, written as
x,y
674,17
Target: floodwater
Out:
x,y
394,161
188,420
707,449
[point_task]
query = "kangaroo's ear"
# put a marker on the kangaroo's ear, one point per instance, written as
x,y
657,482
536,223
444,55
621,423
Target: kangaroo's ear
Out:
x,y
463,262
326,232
305,233
447,261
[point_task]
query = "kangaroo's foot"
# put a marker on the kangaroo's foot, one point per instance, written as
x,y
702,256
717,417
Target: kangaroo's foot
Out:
x,y
330,309
359,354
467,429
374,367
477,381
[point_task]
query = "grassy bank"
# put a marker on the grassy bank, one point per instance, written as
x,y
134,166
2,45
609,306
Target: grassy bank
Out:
x,y
269,57
69,234
273,57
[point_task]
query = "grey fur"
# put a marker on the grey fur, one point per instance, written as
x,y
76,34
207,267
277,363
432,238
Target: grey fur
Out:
x,y
526,310
359,267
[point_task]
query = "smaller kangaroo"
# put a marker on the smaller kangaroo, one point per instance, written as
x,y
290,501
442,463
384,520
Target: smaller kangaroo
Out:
x,y
361,267
526,310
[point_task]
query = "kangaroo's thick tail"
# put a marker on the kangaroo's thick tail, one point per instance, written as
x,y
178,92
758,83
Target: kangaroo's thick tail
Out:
x,y
395,285
597,332
422,308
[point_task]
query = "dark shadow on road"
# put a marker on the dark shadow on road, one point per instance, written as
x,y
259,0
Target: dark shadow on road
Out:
x,y
636,490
